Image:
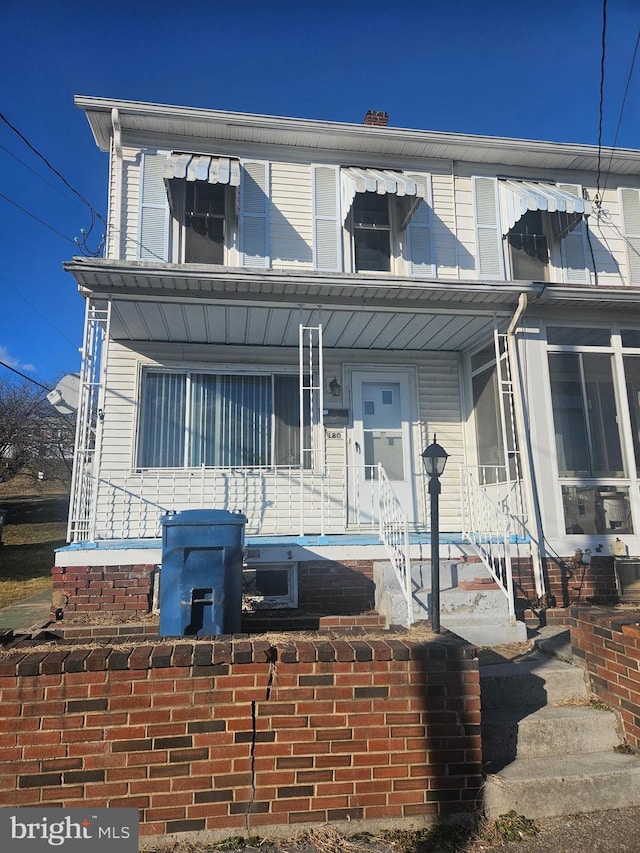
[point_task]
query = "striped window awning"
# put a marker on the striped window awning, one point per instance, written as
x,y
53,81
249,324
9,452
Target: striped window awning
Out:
x,y
202,167
518,197
381,181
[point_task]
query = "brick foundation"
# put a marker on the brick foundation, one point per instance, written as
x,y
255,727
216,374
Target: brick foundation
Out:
x,y
569,583
326,587
231,736
608,641
107,589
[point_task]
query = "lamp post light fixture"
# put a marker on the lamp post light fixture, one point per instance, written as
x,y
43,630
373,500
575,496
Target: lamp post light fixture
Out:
x,y
435,458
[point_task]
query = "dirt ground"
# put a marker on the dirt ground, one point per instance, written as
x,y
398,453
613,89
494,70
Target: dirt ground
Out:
x,y
601,832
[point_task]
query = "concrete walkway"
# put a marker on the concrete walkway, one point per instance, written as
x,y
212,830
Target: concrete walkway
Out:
x,y
29,613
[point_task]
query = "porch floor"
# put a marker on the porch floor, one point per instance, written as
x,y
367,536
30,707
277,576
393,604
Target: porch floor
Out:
x,y
334,539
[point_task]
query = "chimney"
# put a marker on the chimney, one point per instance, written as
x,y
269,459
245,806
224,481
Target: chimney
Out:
x,y
375,118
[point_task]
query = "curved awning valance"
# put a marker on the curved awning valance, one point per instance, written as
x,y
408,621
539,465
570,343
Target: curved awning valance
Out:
x,y
518,197
381,181
202,167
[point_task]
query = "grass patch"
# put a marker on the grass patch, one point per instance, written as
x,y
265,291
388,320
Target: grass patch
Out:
x,y
34,528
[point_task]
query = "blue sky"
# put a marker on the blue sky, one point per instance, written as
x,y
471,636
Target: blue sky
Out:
x,y
477,66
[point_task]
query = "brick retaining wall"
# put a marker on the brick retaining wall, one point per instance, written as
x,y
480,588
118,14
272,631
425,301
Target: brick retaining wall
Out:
x,y
227,736
569,583
608,641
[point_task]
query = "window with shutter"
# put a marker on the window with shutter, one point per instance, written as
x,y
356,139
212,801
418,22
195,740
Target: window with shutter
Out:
x,y
327,231
573,246
153,228
630,206
254,214
489,259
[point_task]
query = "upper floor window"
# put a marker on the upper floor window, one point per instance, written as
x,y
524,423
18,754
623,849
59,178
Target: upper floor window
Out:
x,y
197,208
386,216
204,223
530,231
371,232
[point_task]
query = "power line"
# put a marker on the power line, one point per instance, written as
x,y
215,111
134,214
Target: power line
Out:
x,y
37,310
24,376
37,219
624,101
37,174
601,109
94,212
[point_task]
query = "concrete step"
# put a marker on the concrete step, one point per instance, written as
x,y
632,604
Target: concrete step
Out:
x,y
548,731
564,784
532,683
485,630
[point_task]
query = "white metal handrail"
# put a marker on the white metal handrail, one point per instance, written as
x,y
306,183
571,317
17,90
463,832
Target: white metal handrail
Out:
x,y
129,505
394,534
487,525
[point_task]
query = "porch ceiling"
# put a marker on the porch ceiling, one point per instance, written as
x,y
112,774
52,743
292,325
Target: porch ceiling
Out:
x,y
176,304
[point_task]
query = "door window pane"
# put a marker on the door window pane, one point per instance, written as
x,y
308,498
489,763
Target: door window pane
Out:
x,y
632,375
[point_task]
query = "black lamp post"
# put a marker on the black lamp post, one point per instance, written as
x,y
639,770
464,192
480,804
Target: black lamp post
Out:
x,y
435,458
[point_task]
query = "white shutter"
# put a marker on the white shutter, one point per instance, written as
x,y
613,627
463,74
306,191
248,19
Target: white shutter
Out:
x,y
489,256
254,214
573,247
153,230
630,206
327,230
419,244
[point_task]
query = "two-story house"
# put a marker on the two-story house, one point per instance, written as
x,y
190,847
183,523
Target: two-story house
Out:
x,y
289,310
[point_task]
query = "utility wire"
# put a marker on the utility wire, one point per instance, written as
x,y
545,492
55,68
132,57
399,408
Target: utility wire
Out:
x,y
37,219
601,109
24,376
36,310
94,212
38,175
624,101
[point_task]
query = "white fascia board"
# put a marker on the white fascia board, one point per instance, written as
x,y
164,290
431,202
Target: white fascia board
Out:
x,y
152,118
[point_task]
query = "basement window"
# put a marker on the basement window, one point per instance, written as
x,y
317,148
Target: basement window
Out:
x,y
270,587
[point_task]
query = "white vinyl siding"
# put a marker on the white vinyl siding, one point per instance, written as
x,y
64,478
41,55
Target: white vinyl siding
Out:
x,y
327,230
630,206
443,226
438,406
573,247
290,217
489,254
419,242
254,214
153,234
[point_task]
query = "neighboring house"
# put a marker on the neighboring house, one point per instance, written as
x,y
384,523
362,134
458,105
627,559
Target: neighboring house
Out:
x,y
289,310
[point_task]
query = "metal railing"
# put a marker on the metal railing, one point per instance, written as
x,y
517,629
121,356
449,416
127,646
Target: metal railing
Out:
x,y
276,500
394,534
488,525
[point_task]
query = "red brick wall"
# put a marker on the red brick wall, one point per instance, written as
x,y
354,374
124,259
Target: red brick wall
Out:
x,y
568,582
325,587
108,589
609,644
229,736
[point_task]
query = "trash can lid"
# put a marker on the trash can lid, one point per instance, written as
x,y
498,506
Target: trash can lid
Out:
x,y
203,517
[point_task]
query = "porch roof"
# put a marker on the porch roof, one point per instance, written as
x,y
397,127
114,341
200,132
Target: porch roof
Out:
x,y
205,305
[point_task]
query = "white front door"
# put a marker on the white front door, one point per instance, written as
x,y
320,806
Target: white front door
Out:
x,y
381,434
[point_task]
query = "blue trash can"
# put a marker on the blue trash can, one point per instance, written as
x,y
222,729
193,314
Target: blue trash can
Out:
x,y
201,575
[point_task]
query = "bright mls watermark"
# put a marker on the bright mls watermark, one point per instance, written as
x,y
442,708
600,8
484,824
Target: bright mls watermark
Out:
x,y
33,830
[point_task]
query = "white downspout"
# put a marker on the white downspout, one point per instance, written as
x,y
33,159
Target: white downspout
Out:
x,y
537,539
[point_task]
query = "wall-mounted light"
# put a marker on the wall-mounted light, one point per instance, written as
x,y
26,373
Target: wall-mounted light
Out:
x,y
335,389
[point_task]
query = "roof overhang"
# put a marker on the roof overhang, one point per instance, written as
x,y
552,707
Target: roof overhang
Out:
x,y
204,305
140,121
